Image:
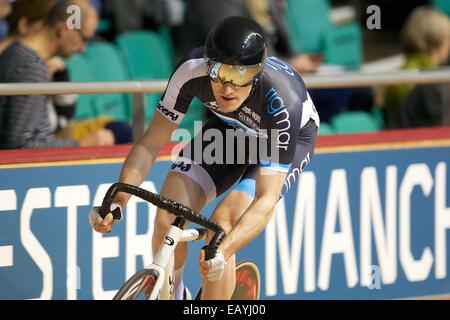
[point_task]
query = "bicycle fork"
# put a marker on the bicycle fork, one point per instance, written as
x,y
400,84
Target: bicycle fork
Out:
x,y
164,263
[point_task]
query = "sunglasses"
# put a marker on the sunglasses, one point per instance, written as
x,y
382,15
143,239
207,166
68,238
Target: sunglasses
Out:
x,y
223,82
237,76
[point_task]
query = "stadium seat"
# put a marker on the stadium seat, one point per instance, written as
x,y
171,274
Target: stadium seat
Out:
x,y
146,55
311,30
165,34
354,121
443,5
107,64
343,46
80,72
377,114
309,22
325,129
149,57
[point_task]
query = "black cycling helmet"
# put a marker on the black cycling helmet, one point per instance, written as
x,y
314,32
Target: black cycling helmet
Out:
x,y
236,51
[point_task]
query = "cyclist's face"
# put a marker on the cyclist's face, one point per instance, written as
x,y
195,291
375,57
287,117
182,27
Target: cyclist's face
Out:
x,y
228,96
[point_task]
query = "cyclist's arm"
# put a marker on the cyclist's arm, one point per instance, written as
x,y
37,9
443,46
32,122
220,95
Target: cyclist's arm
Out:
x,y
268,188
184,84
144,153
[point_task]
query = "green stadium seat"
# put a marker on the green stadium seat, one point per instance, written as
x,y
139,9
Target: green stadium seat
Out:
x,y
377,114
311,30
325,129
309,22
147,58
354,121
165,34
443,5
343,46
150,56
80,71
107,64
146,55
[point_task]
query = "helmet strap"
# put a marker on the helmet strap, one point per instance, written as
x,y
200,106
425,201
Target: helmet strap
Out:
x,y
254,85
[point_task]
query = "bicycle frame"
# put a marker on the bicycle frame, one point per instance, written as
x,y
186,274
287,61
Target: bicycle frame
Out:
x,y
164,259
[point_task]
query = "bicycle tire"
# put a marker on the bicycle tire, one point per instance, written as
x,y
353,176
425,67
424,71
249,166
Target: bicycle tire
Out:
x,y
248,281
136,283
248,285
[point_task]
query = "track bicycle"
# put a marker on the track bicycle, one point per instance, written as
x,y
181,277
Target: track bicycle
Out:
x,y
157,280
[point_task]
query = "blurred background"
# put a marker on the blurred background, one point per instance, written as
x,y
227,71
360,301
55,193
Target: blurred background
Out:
x,y
144,39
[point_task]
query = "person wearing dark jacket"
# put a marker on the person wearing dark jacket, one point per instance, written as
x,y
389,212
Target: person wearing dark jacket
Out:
x,y
426,41
25,120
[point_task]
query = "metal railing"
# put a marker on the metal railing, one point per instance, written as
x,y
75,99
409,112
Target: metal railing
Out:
x,y
139,88
340,80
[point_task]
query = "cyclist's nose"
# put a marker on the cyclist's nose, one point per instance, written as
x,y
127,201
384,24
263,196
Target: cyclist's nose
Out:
x,y
228,89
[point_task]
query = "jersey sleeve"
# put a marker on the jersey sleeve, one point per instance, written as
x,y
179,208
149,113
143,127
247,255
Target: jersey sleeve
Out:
x,y
181,89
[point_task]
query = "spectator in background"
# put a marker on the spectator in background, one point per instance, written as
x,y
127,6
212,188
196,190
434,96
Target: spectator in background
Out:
x,y
24,120
5,10
202,15
329,102
426,41
26,20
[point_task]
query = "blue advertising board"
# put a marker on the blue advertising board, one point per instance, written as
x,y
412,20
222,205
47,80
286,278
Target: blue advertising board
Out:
x,y
368,224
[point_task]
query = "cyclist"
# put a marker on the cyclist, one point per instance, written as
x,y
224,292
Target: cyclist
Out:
x,y
251,95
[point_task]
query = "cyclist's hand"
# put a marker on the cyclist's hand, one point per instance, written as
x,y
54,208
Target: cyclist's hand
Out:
x,y
212,270
105,225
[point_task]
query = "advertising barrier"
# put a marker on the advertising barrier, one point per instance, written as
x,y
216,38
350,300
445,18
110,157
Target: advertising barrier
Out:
x,y
368,219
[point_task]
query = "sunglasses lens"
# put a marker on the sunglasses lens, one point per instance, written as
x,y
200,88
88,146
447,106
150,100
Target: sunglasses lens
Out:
x,y
240,76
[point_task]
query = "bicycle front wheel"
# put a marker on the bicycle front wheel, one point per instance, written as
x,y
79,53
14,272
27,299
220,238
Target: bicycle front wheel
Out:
x,y
139,287
248,281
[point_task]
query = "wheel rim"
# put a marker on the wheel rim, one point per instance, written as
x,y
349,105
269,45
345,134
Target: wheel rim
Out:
x,y
139,287
247,282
